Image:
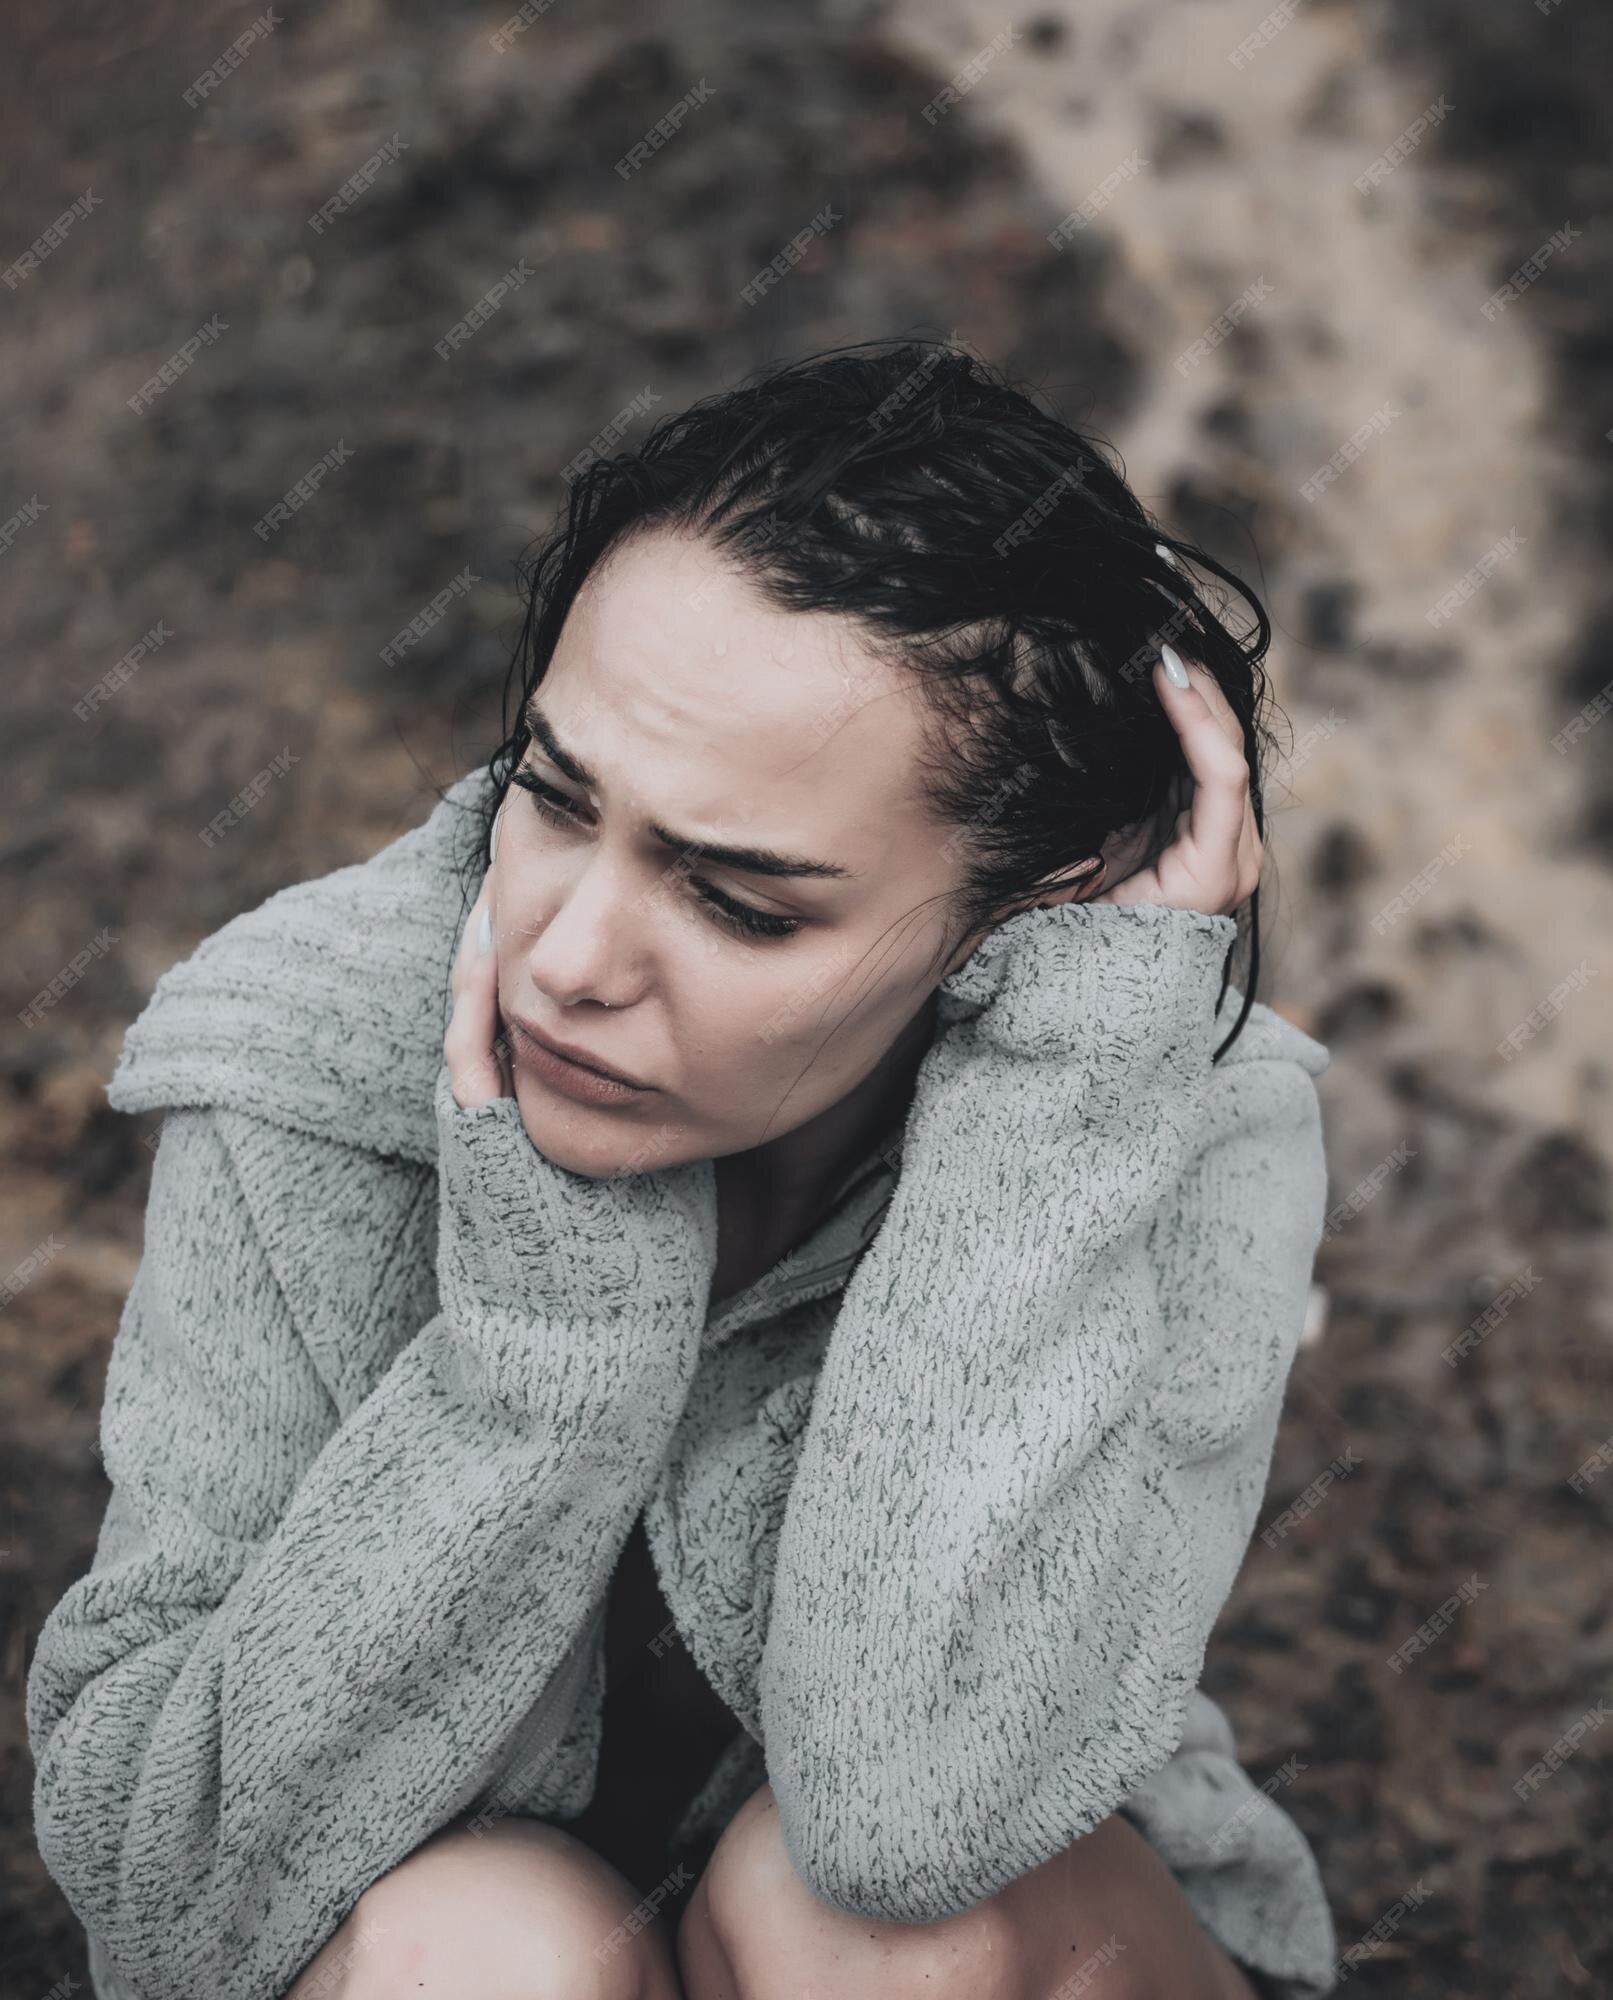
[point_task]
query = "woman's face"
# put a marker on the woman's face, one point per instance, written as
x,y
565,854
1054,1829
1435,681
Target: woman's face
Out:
x,y
695,707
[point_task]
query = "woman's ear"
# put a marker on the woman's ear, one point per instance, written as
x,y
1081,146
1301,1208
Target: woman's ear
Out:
x,y
1088,878
1086,881
966,949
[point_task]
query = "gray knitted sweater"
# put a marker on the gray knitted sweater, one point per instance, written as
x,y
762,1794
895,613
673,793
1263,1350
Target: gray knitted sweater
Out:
x,y
945,1505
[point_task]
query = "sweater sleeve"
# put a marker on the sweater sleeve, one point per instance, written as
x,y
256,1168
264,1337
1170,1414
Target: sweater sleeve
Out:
x,y
1041,1433
303,1642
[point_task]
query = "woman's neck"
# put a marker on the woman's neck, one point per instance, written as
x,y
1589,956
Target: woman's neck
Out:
x,y
771,1197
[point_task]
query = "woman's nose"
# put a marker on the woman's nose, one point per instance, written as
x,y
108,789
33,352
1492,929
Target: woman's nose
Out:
x,y
585,948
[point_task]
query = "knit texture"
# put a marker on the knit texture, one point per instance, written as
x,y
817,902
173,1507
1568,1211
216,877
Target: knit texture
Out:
x,y
945,1505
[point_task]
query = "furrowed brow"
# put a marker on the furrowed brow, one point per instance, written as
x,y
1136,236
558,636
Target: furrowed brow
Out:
x,y
747,860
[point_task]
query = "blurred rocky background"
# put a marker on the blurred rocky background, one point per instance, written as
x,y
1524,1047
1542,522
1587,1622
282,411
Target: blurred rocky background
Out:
x,y
1337,281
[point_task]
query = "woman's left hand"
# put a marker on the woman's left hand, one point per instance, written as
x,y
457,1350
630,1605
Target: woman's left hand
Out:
x,y
1214,862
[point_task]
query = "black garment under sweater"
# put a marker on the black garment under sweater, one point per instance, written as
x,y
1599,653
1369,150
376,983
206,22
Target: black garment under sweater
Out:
x,y
664,1726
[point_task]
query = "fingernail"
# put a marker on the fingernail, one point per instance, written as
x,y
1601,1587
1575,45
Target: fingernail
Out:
x,y
1165,555
484,932
1175,672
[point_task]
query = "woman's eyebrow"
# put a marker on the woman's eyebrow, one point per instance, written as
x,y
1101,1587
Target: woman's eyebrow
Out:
x,y
748,860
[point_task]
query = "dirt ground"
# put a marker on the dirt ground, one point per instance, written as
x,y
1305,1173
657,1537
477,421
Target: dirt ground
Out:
x,y
1294,228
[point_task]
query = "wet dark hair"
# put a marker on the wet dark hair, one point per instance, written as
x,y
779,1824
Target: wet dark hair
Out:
x,y
978,540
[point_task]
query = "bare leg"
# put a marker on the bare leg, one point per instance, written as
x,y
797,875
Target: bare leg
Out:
x,y
519,1911
1105,1917
706,1970
1109,1900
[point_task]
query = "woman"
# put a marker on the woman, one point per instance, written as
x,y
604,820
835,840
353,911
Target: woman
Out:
x,y
903,1281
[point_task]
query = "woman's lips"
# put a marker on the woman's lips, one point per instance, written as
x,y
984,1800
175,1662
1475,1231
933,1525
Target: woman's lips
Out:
x,y
571,1079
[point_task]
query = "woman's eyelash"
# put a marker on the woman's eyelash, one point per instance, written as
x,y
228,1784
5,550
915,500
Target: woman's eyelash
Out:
x,y
736,917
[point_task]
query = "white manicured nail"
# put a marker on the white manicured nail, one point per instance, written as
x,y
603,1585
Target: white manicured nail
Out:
x,y
1175,672
484,932
1165,555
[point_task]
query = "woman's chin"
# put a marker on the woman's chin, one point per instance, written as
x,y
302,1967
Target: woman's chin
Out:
x,y
593,1143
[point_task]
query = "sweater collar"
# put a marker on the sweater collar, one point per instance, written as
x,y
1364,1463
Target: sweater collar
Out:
x,y
323,1008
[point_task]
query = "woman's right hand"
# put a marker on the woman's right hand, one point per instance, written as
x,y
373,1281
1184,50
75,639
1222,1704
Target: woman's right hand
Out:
x,y
476,1043
505,1207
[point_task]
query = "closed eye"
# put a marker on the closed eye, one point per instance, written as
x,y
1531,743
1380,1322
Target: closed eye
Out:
x,y
740,919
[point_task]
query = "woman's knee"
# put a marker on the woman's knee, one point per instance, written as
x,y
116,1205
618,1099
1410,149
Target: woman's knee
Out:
x,y
519,1911
779,1940
1103,1919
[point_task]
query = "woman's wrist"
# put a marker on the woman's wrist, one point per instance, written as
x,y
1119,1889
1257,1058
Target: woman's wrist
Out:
x,y
1092,1039
1071,977
518,1233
